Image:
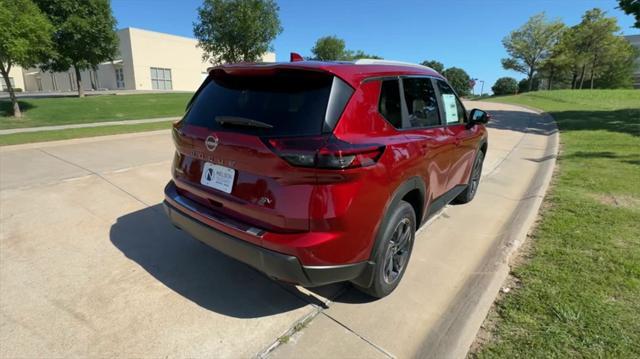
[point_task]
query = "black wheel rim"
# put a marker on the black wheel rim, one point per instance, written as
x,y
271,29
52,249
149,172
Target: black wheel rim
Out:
x,y
476,173
398,251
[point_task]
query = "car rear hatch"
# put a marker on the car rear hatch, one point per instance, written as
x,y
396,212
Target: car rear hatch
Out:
x,y
232,143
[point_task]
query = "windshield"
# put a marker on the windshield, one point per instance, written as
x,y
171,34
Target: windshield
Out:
x,y
287,102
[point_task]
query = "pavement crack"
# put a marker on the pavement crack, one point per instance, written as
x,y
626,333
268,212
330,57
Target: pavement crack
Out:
x,y
377,347
296,327
97,175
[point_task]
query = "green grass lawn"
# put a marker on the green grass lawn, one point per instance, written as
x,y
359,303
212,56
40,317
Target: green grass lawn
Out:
x,y
43,136
579,293
72,110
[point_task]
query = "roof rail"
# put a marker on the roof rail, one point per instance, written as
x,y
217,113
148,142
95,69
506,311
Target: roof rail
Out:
x,y
389,62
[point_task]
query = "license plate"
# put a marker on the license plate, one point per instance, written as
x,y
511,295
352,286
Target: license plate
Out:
x,y
218,177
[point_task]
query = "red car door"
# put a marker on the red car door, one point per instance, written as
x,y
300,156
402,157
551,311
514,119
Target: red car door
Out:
x,y
466,142
426,134
465,139
434,148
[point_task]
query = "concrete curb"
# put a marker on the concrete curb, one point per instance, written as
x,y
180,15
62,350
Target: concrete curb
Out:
x,y
454,334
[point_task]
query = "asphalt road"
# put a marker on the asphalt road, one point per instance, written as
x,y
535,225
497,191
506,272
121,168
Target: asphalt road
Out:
x,y
90,266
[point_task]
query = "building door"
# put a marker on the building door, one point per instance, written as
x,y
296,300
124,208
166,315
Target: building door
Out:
x,y
119,78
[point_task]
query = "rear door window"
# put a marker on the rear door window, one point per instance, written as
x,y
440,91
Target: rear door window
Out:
x,y
282,103
389,105
422,102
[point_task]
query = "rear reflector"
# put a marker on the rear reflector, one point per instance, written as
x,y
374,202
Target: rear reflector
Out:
x,y
324,152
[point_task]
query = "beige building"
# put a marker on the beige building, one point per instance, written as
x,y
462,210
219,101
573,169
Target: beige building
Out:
x,y
15,78
148,60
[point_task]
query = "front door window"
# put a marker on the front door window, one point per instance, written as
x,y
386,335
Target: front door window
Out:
x,y
454,112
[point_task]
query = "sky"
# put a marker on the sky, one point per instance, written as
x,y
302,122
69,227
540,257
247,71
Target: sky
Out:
x,y
461,33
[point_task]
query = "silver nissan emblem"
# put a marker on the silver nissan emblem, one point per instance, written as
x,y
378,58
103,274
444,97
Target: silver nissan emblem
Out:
x,y
211,142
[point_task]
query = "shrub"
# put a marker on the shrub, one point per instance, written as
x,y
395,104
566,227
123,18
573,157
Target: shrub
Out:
x,y
505,86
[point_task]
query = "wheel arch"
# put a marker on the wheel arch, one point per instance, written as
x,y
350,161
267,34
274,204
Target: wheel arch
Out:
x,y
484,145
413,191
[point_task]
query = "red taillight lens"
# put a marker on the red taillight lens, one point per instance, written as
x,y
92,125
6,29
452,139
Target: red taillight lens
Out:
x,y
325,152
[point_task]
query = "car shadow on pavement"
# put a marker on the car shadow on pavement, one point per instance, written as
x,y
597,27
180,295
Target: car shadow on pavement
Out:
x,y
198,272
530,123
619,121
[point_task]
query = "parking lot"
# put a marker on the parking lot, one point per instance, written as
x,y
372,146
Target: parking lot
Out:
x,y
90,266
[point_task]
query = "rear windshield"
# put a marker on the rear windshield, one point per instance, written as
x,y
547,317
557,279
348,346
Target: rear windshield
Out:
x,y
286,103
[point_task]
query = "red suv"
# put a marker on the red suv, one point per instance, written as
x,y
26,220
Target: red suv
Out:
x,y
320,172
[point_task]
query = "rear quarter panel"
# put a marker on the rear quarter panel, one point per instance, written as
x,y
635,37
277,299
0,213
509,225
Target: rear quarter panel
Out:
x,y
355,205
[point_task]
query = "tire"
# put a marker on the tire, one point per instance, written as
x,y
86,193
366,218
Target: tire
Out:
x,y
474,181
397,236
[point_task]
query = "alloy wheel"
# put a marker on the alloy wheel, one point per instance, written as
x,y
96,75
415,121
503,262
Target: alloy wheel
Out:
x,y
398,251
476,174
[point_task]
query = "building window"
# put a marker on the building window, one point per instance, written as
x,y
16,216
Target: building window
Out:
x,y
4,85
161,79
54,82
119,78
95,82
72,81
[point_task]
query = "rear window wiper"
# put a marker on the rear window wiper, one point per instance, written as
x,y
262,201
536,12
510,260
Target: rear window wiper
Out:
x,y
241,121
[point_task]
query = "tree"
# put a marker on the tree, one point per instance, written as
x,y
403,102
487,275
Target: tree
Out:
x,y
436,65
359,54
83,36
459,80
529,45
617,71
333,48
505,86
523,85
556,69
596,48
231,31
329,48
25,40
631,7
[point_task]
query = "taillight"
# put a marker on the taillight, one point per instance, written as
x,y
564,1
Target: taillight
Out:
x,y
324,152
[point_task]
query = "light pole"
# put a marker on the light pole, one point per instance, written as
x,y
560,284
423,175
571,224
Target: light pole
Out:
x,y
481,87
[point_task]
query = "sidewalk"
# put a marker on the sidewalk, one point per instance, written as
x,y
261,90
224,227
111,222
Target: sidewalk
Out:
x,y
459,261
85,241
84,125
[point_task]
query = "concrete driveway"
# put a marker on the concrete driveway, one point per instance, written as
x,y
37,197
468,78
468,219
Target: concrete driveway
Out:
x,y
90,267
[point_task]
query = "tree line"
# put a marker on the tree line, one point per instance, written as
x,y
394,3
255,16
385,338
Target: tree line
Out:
x,y
333,48
591,54
63,35
60,35
57,35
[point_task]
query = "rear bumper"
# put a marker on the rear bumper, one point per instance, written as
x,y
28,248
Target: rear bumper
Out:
x,y
280,266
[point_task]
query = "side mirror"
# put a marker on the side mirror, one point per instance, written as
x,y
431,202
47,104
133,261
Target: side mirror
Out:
x,y
478,116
